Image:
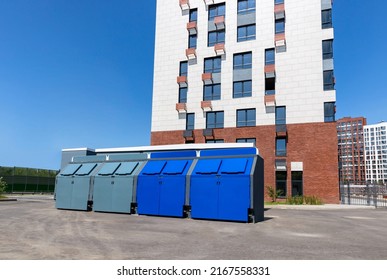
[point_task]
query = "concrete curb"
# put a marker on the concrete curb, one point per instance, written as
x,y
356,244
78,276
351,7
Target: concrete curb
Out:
x,y
7,199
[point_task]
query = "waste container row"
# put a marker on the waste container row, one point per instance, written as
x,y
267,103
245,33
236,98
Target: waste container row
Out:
x,y
223,184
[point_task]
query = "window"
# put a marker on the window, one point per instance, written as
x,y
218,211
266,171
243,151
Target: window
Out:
x,y
192,41
280,115
329,111
211,92
326,18
242,89
280,179
209,141
193,15
183,95
215,119
269,86
245,117
183,71
278,2
216,37
269,57
327,46
190,121
279,26
246,6
280,147
216,11
242,61
297,188
329,81
212,65
246,33
246,140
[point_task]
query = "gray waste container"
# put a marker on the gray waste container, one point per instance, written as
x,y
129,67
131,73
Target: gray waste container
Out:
x,y
74,188
114,184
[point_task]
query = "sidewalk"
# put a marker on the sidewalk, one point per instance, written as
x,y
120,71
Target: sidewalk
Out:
x,y
30,196
319,207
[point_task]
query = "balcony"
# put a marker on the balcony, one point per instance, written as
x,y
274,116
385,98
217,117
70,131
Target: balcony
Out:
x,y
219,22
270,100
192,28
280,130
190,53
270,71
181,108
206,106
280,164
279,11
207,78
208,132
182,81
280,40
208,2
219,49
184,5
188,134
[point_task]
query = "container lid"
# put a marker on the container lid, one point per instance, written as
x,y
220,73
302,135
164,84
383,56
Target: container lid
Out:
x,y
126,168
208,166
154,167
86,169
70,169
234,166
109,168
175,167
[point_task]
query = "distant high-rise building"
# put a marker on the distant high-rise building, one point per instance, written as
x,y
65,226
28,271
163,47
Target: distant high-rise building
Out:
x,y
251,71
351,149
375,142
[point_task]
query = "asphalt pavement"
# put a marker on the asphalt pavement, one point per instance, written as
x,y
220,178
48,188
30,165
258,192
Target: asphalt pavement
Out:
x,y
32,228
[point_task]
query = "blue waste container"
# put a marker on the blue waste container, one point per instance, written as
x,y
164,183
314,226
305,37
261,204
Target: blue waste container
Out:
x,y
161,188
227,185
114,184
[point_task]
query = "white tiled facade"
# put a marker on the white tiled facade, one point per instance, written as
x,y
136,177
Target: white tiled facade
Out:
x,y
299,70
375,141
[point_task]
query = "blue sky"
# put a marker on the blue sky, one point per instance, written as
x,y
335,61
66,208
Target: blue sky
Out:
x,y
78,73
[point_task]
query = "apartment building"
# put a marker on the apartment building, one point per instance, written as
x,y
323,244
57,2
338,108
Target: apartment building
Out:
x,y
351,149
251,71
375,142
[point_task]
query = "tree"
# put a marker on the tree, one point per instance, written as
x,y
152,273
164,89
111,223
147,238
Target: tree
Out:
x,y
3,186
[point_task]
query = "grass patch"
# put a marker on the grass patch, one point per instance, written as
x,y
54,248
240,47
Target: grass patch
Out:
x,y
275,203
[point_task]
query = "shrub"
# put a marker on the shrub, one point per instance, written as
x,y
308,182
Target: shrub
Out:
x,y
313,200
273,193
295,200
308,200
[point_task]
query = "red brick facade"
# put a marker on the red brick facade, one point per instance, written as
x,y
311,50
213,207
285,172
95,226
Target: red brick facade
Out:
x,y
351,149
313,144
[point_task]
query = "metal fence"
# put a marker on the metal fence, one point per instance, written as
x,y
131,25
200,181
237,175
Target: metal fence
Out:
x,y
28,180
364,194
